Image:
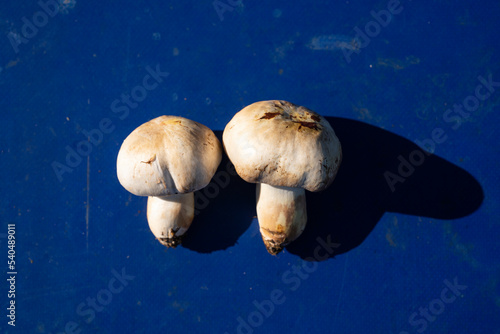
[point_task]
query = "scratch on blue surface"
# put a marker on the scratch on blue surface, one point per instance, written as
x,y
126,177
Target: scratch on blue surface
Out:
x,y
334,42
127,65
341,290
459,248
88,204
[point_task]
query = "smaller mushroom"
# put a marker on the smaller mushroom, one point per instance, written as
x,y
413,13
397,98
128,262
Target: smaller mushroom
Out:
x,y
284,148
167,159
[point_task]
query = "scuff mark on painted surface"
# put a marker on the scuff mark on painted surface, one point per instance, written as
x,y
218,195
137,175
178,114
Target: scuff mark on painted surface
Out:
x,y
12,63
463,250
334,42
393,236
398,64
365,114
281,51
388,237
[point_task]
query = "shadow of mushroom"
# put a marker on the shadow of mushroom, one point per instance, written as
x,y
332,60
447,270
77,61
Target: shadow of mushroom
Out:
x,y
351,207
223,210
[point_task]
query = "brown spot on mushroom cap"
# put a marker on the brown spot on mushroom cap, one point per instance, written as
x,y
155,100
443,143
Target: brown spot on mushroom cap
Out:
x,y
290,112
315,118
270,115
309,125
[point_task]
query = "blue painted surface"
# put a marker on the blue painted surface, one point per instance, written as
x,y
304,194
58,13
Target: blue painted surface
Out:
x,y
395,253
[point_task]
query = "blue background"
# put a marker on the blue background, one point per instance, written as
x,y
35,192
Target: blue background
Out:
x,y
395,249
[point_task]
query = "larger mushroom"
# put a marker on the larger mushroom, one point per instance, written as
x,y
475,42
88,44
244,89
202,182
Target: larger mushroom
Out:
x,y
167,159
286,149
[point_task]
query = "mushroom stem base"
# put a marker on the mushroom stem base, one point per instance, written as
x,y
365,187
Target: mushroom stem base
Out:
x,y
282,215
169,217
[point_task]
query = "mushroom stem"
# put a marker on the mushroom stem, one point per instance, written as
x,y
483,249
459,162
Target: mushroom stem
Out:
x,y
282,215
169,217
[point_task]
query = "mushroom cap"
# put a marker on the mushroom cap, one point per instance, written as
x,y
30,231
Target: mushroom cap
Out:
x,y
168,155
282,144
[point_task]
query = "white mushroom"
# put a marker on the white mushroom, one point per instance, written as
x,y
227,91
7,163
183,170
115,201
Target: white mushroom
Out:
x,y
167,159
284,148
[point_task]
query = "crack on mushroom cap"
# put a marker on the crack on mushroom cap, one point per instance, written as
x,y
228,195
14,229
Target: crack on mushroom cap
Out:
x,y
151,160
